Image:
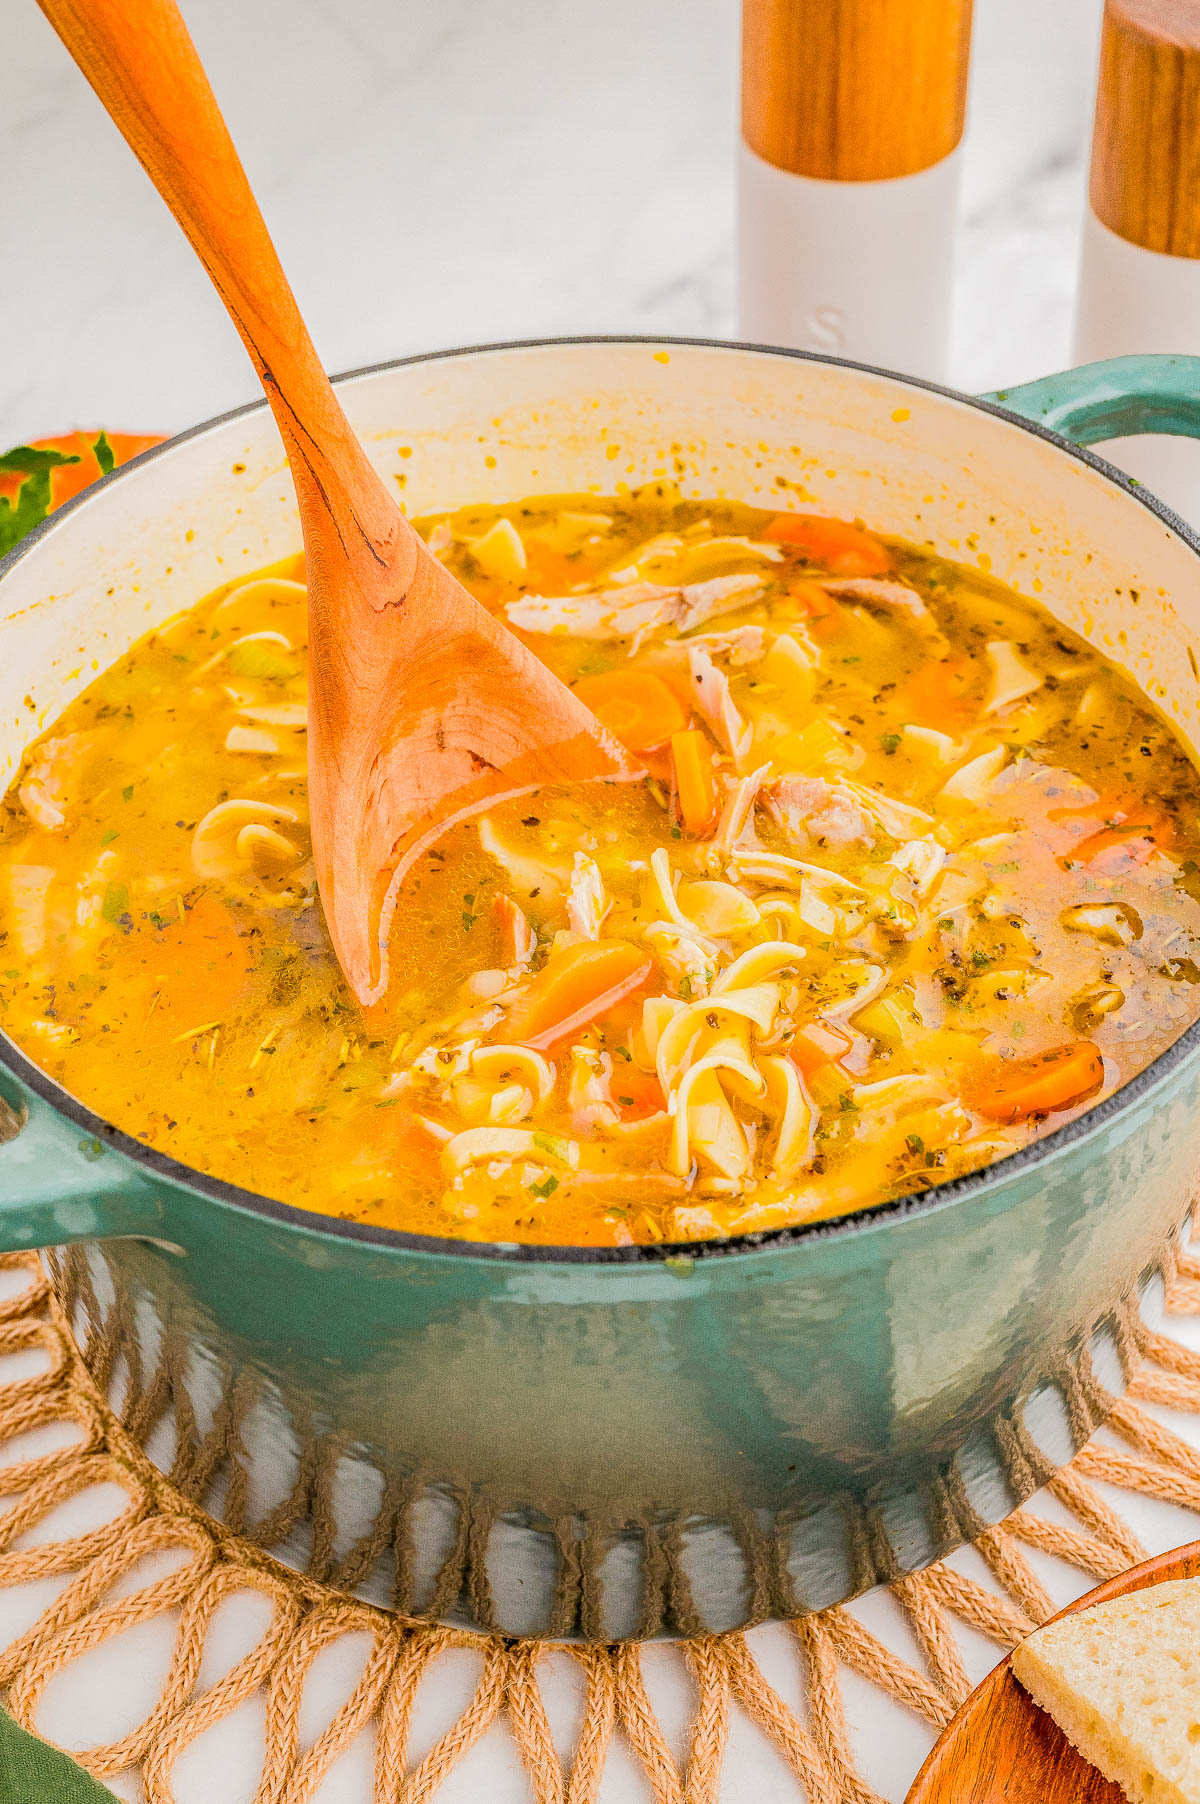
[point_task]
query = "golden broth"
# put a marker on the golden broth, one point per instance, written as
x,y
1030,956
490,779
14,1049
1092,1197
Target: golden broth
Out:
x,y
911,879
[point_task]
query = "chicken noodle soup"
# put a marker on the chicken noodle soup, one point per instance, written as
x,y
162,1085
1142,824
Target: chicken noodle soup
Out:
x,y
913,876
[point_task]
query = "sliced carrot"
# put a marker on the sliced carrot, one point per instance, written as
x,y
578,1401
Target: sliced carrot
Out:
x,y
1014,1089
838,546
636,706
817,1045
818,603
940,694
574,988
1129,822
695,785
1137,841
635,1093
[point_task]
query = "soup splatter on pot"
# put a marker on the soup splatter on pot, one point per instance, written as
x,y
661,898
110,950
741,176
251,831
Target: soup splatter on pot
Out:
x,y
913,877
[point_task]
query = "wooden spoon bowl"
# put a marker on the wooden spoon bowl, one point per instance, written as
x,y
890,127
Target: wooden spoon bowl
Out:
x,y
1000,1748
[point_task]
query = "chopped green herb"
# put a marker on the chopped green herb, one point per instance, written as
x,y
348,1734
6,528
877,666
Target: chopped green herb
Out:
x,y
127,793
546,1188
104,454
115,903
554,1144
106,839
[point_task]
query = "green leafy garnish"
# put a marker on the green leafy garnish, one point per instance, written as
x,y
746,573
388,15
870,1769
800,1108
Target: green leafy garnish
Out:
x,y
544,1189
104,454
33,496
127,793
554,1144
106,839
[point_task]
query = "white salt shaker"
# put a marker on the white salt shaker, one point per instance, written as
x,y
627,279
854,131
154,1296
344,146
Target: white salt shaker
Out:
x,y
1139,279
852,115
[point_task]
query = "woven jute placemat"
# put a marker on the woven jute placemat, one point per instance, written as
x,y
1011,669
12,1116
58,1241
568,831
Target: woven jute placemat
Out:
x,y
100,1600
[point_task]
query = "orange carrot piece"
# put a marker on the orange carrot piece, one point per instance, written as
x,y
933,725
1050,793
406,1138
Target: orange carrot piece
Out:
x,y
816,1045
695,785
1128,821
636,706
838,546
574,987
939,694
1138,841
636,1093
1014,1089
817,602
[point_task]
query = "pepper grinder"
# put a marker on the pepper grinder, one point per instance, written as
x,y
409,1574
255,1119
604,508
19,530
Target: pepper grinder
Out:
x,y
852,113
1139,279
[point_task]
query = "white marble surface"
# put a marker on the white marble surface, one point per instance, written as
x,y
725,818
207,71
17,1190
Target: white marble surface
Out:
x,y
564,167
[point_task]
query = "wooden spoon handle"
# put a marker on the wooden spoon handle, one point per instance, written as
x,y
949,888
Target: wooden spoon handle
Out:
x,y
140,59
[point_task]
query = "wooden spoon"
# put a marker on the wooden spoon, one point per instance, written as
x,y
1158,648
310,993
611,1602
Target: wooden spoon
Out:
x,y
1001,1749
422,707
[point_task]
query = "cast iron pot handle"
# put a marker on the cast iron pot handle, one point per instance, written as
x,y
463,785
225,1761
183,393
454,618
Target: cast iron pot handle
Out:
x,y
1119,398
57,1184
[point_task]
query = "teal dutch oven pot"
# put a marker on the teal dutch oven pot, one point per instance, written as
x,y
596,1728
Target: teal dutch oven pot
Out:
x,y
641,1440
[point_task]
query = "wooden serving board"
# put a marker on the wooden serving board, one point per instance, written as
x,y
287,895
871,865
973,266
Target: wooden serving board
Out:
x,y
1001,1749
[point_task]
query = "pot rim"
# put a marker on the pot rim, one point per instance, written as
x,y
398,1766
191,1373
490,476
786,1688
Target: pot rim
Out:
x,y
858,1221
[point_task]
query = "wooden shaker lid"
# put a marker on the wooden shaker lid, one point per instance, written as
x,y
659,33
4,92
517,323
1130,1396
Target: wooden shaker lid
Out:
x,y
1145,182
854,90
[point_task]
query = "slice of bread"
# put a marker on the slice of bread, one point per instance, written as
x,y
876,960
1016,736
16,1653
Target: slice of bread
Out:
x,y
1122,1681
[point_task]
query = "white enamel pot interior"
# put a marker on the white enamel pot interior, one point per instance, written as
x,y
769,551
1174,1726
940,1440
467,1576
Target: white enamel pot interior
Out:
x,y
492,425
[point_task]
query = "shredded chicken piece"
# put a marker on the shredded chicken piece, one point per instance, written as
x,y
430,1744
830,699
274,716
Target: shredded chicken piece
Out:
x,y
740,645
738,813
587,899
876,593
686,958
25,893
810,807
517,938
633,611
588,1088
900,820
45,793
713,700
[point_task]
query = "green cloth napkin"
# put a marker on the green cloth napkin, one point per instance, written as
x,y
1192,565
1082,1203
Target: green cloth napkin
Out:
x,y
32,1773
